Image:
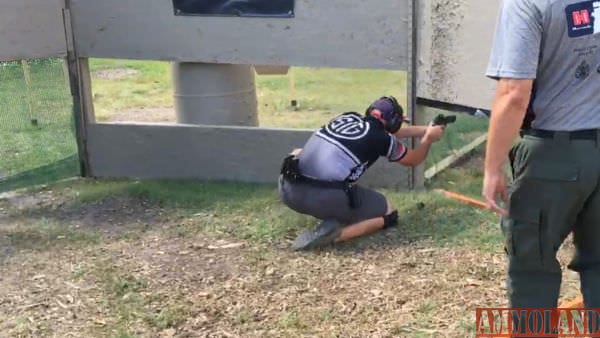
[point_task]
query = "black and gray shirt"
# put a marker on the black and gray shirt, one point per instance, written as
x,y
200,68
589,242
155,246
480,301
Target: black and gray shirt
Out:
x,y
345,147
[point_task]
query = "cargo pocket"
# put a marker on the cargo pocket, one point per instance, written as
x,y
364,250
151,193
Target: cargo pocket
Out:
x,y
540,186
523,236
543,181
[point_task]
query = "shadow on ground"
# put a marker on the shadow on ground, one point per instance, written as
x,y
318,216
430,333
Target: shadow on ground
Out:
x,y
65,168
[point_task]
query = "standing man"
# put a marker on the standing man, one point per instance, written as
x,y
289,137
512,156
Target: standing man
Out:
x,y
546,58
320,179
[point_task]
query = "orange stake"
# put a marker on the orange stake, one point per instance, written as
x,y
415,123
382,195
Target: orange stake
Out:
x,y
576,303
463,198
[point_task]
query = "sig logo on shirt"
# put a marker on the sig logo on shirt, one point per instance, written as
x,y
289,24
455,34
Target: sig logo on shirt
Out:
x,y
349,127
583,18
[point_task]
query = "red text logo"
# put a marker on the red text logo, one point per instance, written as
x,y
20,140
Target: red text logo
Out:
x,y
504,322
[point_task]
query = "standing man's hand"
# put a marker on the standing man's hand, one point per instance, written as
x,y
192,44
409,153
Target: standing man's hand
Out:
x,y
508,111
494,189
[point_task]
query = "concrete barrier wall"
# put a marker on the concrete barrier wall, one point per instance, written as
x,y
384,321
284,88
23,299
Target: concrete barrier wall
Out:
x,y
205,152
333,33
31,29
455,39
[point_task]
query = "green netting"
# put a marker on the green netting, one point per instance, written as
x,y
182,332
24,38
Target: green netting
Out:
x,y
37,135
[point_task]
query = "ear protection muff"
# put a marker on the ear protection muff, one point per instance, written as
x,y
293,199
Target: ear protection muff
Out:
x,y
392,118
395,122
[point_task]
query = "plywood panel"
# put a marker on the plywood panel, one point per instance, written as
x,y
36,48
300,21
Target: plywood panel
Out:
x,y
332,33
31,29
203,152
455,39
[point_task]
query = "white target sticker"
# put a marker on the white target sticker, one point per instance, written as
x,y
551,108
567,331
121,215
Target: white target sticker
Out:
x,y
349,127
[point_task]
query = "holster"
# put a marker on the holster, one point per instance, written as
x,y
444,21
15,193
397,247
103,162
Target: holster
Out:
x,y
290,168
353,198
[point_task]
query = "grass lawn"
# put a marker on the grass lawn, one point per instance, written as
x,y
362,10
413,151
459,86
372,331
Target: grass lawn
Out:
x,y
322,93
36,129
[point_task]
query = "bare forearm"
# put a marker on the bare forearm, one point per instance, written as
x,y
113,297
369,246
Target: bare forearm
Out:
x,y
415,157
411,131
508,111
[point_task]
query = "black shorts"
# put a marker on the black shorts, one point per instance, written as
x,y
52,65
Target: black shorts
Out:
x,y
324,203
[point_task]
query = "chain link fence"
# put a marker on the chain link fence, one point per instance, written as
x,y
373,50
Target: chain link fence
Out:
x,y
37,134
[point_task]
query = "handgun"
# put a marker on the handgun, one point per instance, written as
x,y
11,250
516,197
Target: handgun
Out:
x,y
442,120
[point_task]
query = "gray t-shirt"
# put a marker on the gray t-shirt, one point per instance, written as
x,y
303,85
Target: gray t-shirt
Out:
x,y
557,43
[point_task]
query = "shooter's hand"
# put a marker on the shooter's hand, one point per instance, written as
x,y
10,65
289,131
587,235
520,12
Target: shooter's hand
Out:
x,y
433,133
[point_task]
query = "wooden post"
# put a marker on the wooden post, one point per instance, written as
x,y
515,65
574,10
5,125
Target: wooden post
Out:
x,y
80,86
65,69
417,179
448,161
292,80
27,75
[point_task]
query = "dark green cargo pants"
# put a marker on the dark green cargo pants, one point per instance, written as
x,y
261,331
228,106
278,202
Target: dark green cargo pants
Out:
x,y
555,191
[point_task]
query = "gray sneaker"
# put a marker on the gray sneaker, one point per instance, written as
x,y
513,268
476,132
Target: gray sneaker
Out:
x,y
325,233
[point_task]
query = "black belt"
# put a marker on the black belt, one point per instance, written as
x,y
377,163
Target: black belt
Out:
x,y
584,134
291,172
320,183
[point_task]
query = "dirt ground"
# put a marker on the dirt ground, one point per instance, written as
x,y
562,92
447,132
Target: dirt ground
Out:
x,y
115,73
152,115
159,284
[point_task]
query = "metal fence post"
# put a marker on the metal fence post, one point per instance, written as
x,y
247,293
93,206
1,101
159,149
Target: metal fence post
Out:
x,y
417,174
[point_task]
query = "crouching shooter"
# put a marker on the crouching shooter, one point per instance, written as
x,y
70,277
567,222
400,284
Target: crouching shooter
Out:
x,y
321,178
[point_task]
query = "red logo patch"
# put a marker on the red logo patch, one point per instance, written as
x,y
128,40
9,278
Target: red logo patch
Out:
x,y
581,17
